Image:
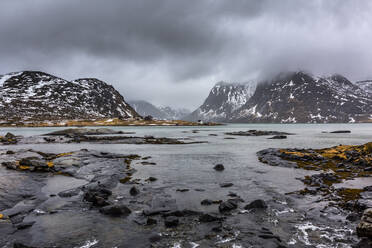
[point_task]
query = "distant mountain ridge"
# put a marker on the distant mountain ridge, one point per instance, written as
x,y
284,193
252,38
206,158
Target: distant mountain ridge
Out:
x,y
292,97
145,108
223,100
35,95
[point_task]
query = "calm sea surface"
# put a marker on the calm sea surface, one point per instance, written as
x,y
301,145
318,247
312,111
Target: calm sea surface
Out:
x,y
191,166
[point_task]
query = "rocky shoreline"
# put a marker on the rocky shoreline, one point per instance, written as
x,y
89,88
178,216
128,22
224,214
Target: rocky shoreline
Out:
x,y
103,122
333,166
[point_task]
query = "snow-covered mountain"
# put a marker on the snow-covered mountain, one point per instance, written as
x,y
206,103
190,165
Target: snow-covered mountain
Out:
x,y
289,98
34,95
175,113
365,85
223,100
145,108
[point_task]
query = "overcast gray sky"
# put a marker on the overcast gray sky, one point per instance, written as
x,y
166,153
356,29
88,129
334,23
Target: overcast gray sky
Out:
x,y
171,52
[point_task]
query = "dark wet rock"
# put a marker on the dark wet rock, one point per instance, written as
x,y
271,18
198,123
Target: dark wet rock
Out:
x,y
322,179
97,196
85,131
171,221
341,131
155,238
353,217
361,204
364,228
257,133
10,165
181,213
182,190
368,168
17,219
19,210
228,205
155,211
21,245
278,137
9,152
208,218
134,191
200,190
206,202
217,229
30,164
364,243
147,163
115,210
49,140
256,204
273,157
69,193
368,188
151,221
269,236
24,225
226,185
8,139
219,167
151,179
131,140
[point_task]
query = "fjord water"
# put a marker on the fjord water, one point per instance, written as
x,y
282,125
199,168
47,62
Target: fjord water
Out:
x,y
191,166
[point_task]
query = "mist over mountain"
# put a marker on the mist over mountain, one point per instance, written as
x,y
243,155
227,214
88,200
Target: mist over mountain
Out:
x,y
223,99
291,97
145,108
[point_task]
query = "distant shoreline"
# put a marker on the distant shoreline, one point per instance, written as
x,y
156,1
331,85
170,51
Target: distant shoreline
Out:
x,y
105,122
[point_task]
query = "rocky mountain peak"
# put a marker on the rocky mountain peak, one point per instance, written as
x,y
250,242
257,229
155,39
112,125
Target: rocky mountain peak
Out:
x,y
289,97
29,95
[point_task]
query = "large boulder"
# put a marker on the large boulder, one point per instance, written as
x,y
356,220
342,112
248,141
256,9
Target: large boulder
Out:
x,y
256,204
115,210
364,229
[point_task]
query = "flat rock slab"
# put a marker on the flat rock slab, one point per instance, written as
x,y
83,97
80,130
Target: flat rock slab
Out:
x,y
257,133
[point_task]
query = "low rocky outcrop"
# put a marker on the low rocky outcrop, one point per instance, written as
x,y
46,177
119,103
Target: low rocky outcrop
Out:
x,y
85,131
335,165
258,133
8,139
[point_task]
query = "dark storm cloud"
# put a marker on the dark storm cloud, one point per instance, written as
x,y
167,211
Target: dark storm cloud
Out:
x,y
173,51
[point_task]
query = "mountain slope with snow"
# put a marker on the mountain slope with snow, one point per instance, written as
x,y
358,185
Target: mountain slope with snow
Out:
x,y
175,113
300,97
289,98
223,99
33,95
145,108
365,85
